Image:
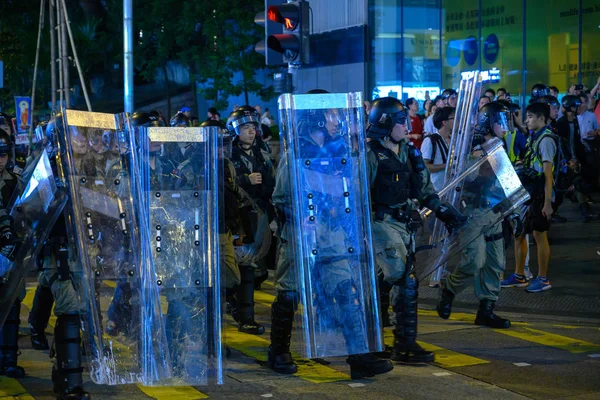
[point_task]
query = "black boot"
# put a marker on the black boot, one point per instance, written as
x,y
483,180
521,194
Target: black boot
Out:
x,y
9,344
368,365
486,316
231,301
586,212
362,364
444,305
245,297
406,348
282,318
67,373
39,316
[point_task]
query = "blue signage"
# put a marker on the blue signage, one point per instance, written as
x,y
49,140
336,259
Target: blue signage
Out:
x,y
453,52
470,50
491,48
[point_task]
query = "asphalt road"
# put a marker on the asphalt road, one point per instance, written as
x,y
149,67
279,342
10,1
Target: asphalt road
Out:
x,y
545,355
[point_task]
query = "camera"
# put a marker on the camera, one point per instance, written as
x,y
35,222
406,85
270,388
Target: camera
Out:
x,y
578,87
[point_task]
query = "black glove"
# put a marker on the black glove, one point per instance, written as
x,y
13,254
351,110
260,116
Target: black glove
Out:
x,y
450,216
8,243
517,224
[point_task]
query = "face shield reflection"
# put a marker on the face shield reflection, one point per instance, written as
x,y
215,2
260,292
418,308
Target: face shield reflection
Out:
x,y
501,123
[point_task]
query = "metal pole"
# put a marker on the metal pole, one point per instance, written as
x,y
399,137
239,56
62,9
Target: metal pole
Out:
x,y
61,81
52,51
65,57
292,70
128,55
81,80
35,69
580,47
524,56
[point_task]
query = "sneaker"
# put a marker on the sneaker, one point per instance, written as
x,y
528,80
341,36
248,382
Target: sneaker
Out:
x,y
514,281
539,285
528,274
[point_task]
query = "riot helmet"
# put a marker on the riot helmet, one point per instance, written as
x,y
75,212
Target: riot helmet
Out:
x,y
385,114
180,120
553,103
141,118
6,123
571,103
538,90
242,116
493,119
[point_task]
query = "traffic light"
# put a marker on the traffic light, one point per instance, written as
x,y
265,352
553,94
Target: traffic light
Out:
x,y
286,32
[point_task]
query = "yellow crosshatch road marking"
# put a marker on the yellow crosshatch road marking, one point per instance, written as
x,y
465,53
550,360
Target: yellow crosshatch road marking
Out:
x,y
550,339
11,389
256,347
443,357
172,392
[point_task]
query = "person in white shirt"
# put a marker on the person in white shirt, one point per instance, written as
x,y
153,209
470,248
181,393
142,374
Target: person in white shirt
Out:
x,y
588,123
435,145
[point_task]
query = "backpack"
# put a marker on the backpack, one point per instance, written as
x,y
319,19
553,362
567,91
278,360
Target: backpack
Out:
x,y
435,139
563,176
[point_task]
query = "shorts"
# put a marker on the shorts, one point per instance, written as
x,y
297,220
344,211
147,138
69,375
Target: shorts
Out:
x,y
535,220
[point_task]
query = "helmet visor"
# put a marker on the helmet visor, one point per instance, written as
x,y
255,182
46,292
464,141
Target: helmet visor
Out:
x,y
502,122
402,118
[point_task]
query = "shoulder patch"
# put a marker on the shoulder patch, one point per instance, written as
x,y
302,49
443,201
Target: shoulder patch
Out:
x,y
382,156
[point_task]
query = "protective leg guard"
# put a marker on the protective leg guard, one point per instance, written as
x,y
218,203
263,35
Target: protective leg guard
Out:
x,y
9,344
384,301
282,319
39,316
119,311
486,316
361,365
444,305
67,373
245,298
405,304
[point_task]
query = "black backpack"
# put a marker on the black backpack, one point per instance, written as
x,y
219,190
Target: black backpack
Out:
x,y
435,139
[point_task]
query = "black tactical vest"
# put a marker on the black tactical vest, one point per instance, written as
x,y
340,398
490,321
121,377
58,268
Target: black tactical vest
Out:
x,y
395,181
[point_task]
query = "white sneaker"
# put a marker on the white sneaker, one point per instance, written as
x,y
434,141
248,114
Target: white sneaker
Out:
x,y
528,274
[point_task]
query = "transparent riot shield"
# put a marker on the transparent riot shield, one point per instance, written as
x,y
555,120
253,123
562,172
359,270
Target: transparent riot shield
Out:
x,y
461,141
34,209
487,191
98,164
181,193
329,225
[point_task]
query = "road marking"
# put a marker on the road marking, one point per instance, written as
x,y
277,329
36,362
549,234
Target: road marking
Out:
x,y
594,355
256,347
11,389
442,374
443,357
550,339
266,395
172,392
356,385
522,364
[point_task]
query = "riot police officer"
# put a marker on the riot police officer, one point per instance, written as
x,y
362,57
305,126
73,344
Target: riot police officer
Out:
x,y
398,178
255,174
335,292
9,332
537,91
484,259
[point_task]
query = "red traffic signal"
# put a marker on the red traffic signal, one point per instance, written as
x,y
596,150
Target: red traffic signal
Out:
x,y
286,31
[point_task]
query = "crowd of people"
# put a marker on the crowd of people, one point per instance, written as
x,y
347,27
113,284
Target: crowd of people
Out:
x,y
553,144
